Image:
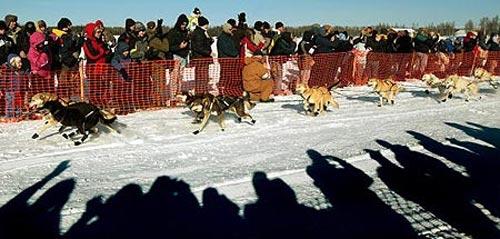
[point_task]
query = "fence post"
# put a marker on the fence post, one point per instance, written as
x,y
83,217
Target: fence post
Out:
x,y
81,71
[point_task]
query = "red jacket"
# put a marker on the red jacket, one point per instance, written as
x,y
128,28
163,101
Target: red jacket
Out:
x,y
248,48
95,50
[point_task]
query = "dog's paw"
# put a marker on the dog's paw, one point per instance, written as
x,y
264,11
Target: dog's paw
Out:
x,y
196,132
35,136
427,92
254,121
443,100
379,105
392,101
65,136
222,130
78,143
239,120
450,96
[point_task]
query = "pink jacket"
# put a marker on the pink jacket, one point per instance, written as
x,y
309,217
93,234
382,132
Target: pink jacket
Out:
x,y
40,60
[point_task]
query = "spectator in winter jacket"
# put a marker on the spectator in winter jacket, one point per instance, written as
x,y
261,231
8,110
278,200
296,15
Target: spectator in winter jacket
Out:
x,y
120,59
94,48
193,19
323,39
284,45
248,48
493,42
159,48
23,42
225,44
306,49
39,55
7,45
140,48
470,42
179,40
201,48
13,27
14,87
41,26
404,42
201,42
257,80
423,44
127,36
257,36
268,35
69,45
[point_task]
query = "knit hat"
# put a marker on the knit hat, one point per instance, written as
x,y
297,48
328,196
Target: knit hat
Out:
x,y
11,58
196,11
257,25
202,21
63,23
279,25
122,47
3,25
128,23
29,27
10,18
151,25
232,22
139,27
266,25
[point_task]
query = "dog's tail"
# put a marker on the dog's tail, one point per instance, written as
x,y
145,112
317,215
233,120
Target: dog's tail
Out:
x,y
334,86
106,117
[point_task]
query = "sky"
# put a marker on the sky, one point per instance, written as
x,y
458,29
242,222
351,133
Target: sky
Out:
x,y
291,12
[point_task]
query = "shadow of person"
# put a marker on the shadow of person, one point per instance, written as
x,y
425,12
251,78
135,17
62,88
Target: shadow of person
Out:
x,y
356,211
277,214
481,163
220,217
41,219
171,210
483,133
437,188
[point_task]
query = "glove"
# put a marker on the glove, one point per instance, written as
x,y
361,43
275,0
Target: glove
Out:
x,y
124,75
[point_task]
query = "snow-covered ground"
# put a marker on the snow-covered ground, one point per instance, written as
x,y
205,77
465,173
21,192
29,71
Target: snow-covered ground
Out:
x,y
156,143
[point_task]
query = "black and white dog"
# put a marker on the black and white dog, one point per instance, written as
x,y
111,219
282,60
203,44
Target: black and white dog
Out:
x,y
73,117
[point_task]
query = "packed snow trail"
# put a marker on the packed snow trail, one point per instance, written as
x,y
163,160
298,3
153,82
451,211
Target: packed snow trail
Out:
x,y
156,143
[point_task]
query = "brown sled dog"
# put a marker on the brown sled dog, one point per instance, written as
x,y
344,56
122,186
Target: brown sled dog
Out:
x,y
203,105
316,99
386,90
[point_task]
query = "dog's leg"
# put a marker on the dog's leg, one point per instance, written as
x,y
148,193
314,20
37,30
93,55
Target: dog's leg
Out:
x,y
61,129
48,124
71,135
205,119
381,101
221,121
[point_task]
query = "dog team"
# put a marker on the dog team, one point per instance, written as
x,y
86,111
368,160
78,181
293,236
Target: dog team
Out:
x,y
316,100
